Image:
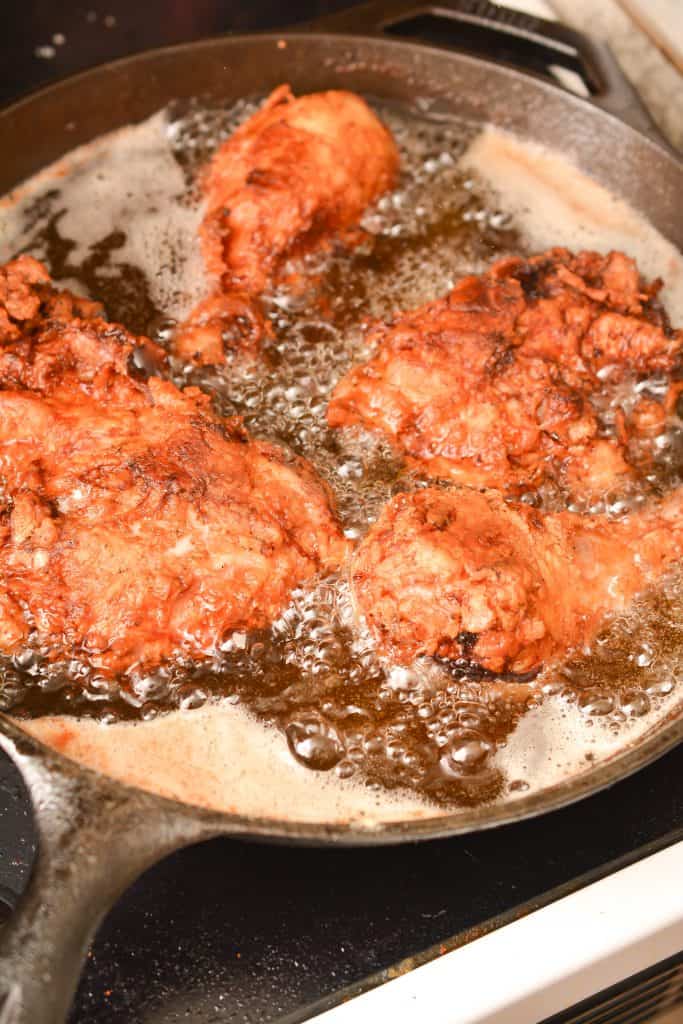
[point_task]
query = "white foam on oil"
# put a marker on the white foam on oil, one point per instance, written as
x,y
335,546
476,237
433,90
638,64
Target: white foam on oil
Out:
x,y
554,203
220,757
555,742
127,181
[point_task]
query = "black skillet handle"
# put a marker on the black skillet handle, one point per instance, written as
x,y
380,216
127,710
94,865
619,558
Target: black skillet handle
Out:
x,y
95,837
522,40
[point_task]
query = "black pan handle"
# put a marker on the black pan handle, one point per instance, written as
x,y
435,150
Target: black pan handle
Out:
x,y
95,837
528,43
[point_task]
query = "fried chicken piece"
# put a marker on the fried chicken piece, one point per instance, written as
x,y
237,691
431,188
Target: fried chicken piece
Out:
x,y
81,349
295,174
28,298
219,325
461,573
491,385
295,177
135,523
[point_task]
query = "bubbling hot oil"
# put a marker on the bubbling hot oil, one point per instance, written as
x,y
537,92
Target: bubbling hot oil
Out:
x,y
443,731
420,238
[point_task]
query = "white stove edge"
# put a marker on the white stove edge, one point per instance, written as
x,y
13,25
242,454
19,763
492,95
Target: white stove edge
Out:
x,y
545,962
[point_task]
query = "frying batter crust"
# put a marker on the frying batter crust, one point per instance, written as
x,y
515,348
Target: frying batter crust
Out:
x,y
460,573
294,178
491,385
134,523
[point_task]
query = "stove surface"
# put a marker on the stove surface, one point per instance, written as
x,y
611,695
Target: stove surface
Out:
x,y
229,931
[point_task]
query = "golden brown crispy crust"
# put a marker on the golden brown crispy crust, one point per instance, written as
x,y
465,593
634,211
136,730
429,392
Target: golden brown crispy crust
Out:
x,y
27,299
491,385
223,324
463,574
135,523
294,178
296,174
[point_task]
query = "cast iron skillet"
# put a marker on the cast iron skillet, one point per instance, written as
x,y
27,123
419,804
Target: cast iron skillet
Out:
x,y
96,835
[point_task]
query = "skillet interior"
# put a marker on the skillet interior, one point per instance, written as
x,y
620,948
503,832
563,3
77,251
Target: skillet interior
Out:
x,y
88,105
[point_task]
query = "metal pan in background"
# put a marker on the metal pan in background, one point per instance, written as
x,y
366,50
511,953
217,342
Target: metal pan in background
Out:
x,y
96,835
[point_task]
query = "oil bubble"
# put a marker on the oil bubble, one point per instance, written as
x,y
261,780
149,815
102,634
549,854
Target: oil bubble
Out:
x,y
314,742
466,754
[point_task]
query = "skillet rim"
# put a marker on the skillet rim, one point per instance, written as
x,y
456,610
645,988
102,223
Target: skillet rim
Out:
x,y
656,742
583,104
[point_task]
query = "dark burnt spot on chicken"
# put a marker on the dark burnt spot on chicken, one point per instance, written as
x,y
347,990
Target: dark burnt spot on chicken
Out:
x,y
502,358
467,642
261,177
532,279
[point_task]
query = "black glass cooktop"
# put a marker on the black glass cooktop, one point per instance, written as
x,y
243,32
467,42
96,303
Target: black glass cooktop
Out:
x,y
231,931
228,931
